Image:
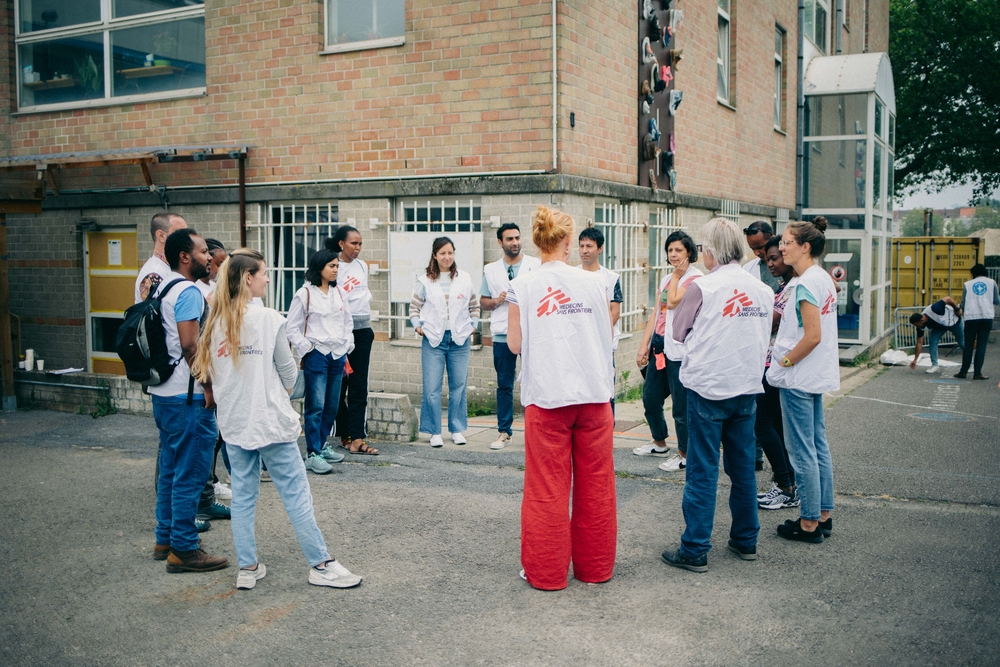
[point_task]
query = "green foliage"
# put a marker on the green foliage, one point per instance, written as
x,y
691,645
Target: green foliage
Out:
x,y
479,406
944,58
628,393
88,75
984,218
622,474
103,406
912,223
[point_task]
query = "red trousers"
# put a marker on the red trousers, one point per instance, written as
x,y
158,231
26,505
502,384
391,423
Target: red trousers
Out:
x,y
564,448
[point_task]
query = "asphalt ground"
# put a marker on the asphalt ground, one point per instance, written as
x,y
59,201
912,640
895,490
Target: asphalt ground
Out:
x,y
909,577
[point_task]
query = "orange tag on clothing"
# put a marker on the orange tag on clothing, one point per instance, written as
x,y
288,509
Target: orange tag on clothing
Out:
x,y
661,361
347,367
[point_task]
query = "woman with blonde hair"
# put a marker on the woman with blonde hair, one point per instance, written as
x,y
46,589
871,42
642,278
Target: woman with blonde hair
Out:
x,y
444,311
244,351
560,324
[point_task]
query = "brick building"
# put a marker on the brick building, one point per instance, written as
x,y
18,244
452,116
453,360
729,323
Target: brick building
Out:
x,y
409,119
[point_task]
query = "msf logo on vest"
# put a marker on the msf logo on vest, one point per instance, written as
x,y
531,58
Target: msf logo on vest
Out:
x,y
558,302
349,284
829,304
740,305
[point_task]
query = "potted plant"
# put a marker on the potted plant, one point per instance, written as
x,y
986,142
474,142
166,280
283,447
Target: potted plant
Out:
x,y
88,75
164,44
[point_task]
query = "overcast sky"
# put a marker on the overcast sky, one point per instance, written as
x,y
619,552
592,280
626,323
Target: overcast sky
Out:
x,y
948,198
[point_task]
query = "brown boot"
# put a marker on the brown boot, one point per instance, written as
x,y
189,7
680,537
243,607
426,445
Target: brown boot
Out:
x,y
194,561
161,551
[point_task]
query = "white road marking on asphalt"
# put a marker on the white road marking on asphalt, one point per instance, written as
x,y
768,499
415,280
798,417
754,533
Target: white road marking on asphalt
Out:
x,y
946,397
922,407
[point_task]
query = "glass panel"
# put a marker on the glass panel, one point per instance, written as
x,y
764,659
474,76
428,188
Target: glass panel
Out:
x,y
892,132
103,333
45,14
841,221
723,59
832,182
362,20
876,260
154,58
820,34
877,178
724,6
132,7
890,178
873,313
846,253
778,42
878,118
877,222
810,14
830,115
62,70
777,93
887,308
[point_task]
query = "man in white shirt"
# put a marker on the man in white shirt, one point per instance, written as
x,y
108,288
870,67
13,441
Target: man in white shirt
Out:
x,y
758,234
493,298
152,272
591,245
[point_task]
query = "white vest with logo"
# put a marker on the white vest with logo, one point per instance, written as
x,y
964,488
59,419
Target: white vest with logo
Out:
x,y
253,406
819,371
565,337
611,279
979,299
671,348
725,350
438,311
352,280
497,281
949,319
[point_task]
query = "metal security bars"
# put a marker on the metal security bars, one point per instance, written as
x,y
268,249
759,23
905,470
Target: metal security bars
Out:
x,y
621,228
441,216
662,223
287,235
730,210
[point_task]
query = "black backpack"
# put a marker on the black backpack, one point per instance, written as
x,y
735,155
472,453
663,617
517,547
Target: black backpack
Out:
x,y
142,340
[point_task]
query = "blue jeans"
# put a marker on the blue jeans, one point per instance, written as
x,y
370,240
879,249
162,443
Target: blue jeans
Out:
x,y
323,375
808,450
434,360
730,422
934,336
187,444
505,364
288,472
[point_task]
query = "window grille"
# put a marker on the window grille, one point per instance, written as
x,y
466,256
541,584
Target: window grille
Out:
x,y
442,215
621,228
662,223
730,210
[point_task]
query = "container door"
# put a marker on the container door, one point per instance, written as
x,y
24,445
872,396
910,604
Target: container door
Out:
x,y
111,264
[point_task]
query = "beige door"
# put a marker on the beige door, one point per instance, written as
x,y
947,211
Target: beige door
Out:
x,y
111,264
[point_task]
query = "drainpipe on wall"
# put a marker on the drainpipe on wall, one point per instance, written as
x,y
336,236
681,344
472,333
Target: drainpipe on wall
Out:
x,y
800,114
840,26
555,118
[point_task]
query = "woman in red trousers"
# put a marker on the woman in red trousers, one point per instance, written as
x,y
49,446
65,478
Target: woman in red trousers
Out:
x,y
560,323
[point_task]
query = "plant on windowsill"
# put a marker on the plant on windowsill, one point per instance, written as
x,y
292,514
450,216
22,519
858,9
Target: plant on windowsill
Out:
x,y
87,74
163,44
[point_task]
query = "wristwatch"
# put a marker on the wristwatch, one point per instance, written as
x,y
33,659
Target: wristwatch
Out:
x,y
786,362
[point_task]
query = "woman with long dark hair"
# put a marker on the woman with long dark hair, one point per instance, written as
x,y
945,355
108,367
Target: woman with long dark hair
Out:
x,y
444,311
244,352
352,423
321,329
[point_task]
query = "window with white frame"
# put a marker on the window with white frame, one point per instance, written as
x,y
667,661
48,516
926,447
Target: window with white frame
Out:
x,y
352,25
441,215
288,235
621,228
724,92
779,78
77,53
816,13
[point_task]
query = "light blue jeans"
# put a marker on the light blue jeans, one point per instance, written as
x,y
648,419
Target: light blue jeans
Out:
x,y
434,360
808,450
934,337
288,472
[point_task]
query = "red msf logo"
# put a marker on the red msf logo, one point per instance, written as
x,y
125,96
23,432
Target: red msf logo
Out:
x,y
551,301
736,303
350,284
223,349
828,304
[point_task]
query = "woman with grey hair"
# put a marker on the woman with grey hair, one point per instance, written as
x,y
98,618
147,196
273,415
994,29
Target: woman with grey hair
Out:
x,y
724,320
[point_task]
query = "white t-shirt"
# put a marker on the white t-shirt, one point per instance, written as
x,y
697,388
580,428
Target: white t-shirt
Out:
x,y
565,336
819,371
177,384
150,275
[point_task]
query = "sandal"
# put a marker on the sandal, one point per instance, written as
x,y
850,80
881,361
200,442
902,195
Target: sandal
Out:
x,y
364,449
345,443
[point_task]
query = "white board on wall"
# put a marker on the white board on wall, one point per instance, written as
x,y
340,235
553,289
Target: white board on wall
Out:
x,y
409,253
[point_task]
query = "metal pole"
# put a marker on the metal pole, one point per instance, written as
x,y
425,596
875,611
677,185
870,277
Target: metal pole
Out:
x,y
800,116
243,201
6,349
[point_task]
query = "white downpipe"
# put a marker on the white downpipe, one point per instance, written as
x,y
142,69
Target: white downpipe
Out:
x,y
555,118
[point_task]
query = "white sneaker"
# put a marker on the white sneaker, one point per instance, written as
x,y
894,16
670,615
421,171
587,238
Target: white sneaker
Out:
x,y
500,442
522,575
436,441
223,492
673,464
933,369
458,439
770,493
651,450
332,573
247,579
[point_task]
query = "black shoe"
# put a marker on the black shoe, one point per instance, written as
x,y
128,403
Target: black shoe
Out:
x,y
792,530
961,376
677,559
214,511
746,553
758,466
980,377
826,527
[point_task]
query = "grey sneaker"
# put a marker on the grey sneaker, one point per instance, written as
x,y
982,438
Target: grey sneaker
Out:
x,y
330,455
317,464
214,511
780,500
770,493
247,579
332,573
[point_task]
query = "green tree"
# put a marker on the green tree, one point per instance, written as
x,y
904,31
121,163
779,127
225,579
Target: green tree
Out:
x,y
984,218
945,59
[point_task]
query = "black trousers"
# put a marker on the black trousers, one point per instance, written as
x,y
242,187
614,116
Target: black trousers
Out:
x,y
352,413
976,332
771,435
